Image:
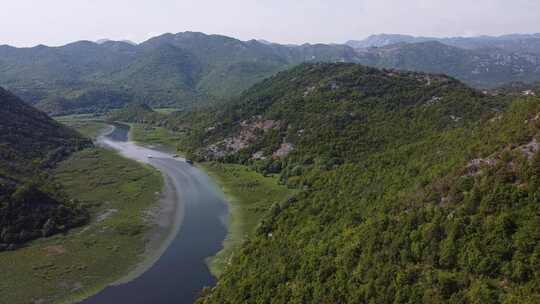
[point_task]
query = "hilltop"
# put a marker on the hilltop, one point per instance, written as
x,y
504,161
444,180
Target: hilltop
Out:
x,y
331,114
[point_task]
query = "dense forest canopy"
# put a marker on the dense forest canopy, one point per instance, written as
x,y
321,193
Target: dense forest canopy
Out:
x,y
191,69
435,201
31,205
414,187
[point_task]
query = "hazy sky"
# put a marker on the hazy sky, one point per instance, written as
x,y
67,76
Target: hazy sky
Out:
x,y
56,22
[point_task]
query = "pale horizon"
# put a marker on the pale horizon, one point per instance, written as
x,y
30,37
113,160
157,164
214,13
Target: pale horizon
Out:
x,y
25,23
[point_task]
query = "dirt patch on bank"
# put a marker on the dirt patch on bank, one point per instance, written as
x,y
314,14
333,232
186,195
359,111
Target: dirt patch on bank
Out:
x,y
54,250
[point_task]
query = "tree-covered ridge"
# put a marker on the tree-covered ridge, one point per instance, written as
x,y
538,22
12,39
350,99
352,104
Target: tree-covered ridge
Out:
x,y
190,69
31,205
329,114
447,214
183,70
31,133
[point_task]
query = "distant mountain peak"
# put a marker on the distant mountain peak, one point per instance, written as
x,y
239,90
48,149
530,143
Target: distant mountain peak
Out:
x,y
264,41
381,40
103,41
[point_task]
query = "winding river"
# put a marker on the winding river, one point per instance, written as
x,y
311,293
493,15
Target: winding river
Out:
x,y
190,228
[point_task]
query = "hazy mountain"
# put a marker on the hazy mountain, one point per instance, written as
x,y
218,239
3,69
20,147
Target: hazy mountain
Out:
x,y
481,68
526,43
190,68
385,39
102,41
172,69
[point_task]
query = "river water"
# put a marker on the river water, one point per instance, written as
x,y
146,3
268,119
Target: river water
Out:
x,y
195,232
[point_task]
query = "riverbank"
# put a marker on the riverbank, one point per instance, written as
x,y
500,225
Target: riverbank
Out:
x,y
249,194
164,218
70,267
87,124
180,272
154,136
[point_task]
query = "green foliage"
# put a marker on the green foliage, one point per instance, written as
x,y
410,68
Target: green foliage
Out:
x,y
181,70
415,189
31,205
424,208
190,69
250,196
334,113
68,267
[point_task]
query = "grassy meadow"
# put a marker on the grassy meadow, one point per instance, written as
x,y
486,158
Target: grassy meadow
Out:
x,y
156,136
250,196
69,267
87,124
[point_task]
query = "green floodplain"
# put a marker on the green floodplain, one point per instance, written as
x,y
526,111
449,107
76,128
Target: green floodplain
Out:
x,y
119,194
69,267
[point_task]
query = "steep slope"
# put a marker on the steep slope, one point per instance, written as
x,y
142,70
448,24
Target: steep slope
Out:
x,y
344,104
447,219
30,205
162,75
415,189
482,68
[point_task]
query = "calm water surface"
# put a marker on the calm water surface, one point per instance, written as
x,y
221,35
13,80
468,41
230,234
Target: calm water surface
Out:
x,y
181,272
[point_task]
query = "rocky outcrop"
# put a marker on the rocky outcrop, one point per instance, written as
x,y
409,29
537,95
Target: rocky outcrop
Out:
x,y
250,131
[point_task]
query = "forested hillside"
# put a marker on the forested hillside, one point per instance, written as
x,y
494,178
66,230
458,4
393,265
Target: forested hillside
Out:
x,y
415,188
451,217
183,70
329,114
191,69
31,206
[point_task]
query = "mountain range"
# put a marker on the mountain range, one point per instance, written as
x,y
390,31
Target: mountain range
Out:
x,y
526,43
170,70
192,69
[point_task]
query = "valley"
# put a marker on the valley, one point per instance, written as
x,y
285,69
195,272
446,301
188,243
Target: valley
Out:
x,y
190,228
399,175
249,194
195,168
191,69
69,267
